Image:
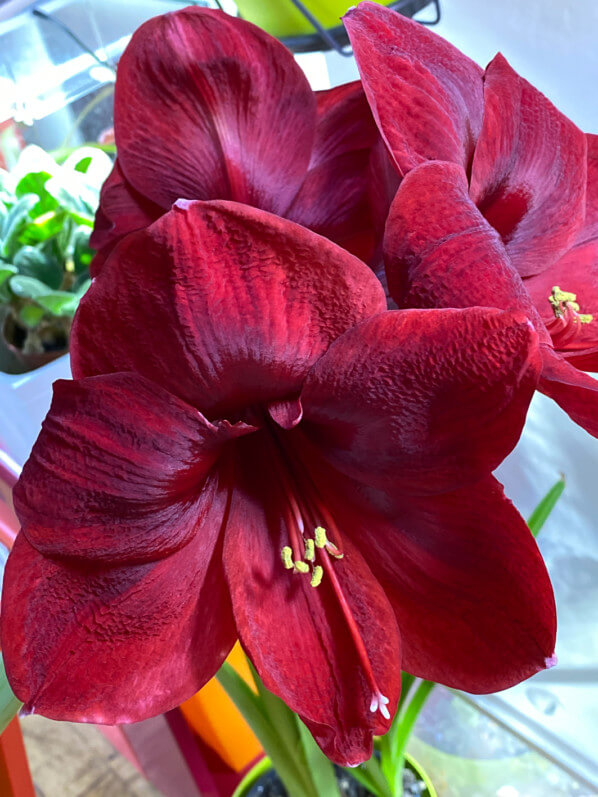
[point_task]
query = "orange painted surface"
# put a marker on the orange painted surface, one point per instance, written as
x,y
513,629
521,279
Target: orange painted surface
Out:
x,y
214,717
15,778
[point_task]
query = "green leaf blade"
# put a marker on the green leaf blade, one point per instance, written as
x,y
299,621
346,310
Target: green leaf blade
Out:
x,y
542,512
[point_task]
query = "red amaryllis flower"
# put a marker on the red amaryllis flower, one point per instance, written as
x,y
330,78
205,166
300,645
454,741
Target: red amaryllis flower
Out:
x,y
253,446
210,107
509,160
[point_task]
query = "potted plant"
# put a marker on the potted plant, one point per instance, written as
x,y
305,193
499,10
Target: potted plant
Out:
x,y
46,217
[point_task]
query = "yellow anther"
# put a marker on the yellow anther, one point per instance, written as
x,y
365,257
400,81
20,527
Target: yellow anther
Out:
x,y
585,318
321,538
287,557
310,551
301,567
316,576
563,296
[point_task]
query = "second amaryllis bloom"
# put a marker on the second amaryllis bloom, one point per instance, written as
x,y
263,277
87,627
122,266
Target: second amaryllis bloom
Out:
x,y
208,106
506,215
254,447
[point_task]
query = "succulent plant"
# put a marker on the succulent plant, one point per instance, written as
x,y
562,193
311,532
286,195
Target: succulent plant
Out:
x,y
46,217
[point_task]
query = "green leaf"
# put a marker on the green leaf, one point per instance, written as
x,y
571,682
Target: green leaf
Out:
x,y
31,315
370,775
15,221
45,227
82,252
76,197
31,262
540,514
297,740
35,183
59,303
9,704
250,706
83,165
6,271
27,287
319,767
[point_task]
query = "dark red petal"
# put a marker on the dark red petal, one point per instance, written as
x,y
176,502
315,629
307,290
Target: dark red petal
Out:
x,y
117,471
439,251
425,95
574,391
210,107
466,580
121,210
225,305
296,634
423,401
345,123
90,643
589,231
335,198
334,201
529,170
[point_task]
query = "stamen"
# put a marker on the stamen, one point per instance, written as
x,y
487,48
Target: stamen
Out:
x,y
565,327
379,703
320,535
287,557
316,576
310,553
301,567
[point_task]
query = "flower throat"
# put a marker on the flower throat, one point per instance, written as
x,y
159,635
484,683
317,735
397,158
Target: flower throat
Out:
x,y
310,553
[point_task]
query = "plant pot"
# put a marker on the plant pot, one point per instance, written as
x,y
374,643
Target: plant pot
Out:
x,y
13,336
24,402
281,18
264,766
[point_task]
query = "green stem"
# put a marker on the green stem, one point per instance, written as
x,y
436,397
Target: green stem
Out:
x,y
9,704
405,727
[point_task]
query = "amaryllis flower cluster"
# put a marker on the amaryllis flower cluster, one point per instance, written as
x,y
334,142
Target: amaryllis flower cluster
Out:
x,y
210,107
253,446
499,202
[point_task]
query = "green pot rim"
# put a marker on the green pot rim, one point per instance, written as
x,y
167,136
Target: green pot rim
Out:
x,y
264,764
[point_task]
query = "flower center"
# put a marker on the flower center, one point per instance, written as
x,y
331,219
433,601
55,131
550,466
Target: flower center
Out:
x,y
313,547
567,323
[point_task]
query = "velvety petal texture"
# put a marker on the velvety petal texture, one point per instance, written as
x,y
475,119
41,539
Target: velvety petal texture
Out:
x,y
529,170
439,251
115,643
574,391
425,95
244,303
117,471
208,106
454,566
451,404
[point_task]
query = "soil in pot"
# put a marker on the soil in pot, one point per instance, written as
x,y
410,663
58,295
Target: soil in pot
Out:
x,y
270,785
